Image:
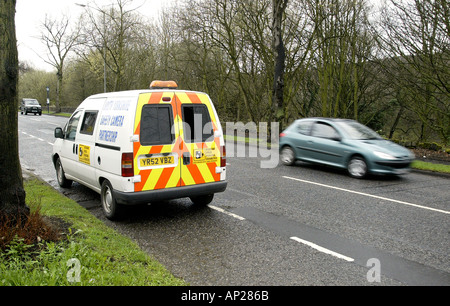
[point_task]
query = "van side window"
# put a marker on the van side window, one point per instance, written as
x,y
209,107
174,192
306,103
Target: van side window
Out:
x,y
72,125
156,125
87,127
197,125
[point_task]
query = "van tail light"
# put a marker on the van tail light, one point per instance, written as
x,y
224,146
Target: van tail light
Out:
x,y
223,156
282,134
127,165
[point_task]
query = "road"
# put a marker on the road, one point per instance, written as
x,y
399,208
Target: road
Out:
x,y
299,225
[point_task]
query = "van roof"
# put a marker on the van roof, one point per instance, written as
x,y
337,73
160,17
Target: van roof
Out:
x,y
132,93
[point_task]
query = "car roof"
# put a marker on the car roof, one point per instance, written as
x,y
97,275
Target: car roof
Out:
x,y
325,119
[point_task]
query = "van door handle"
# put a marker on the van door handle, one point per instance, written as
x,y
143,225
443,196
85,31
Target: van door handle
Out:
x,y
186,158
75,149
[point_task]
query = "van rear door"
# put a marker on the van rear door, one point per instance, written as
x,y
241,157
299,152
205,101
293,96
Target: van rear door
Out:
x,y
201,149
156,156
177,144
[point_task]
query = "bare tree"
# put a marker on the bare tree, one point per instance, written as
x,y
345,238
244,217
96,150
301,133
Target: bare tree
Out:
x,y
416,40
278,9
109,32
12,193
60,41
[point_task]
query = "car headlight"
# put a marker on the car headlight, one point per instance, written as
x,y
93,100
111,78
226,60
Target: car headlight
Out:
x,y
383,155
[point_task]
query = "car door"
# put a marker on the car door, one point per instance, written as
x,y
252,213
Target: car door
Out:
x,y
325,144
301,137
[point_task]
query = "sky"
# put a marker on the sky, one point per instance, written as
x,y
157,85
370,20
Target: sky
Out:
x,y
30,14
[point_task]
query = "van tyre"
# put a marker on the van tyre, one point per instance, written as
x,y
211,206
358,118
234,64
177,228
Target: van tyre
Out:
x,y
357,167
61,176
202,200
111,209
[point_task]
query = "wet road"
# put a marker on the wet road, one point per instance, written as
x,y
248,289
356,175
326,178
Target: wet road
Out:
x,y
300,225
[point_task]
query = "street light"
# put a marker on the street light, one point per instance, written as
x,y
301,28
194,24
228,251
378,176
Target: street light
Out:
x,y
104,40
48,99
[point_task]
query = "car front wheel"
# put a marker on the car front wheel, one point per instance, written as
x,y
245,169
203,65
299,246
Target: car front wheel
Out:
x,y
357,167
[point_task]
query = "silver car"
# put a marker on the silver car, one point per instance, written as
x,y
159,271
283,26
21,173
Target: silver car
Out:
x,y
343,143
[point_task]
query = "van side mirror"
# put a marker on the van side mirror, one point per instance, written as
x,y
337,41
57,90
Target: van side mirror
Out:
x,y
59,133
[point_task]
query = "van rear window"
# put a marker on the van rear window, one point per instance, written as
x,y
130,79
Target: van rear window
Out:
x,y
156,125
197,123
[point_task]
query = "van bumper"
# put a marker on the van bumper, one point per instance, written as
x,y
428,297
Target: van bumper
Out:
x,y
144,197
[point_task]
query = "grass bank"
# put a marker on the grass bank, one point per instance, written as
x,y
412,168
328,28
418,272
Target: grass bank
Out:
x,y
421,165
90,252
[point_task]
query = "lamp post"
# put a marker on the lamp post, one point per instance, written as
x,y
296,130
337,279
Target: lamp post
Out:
x,y
104,41
48,99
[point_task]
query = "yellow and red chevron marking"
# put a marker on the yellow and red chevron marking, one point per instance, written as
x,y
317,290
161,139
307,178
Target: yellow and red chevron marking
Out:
x,y
179,175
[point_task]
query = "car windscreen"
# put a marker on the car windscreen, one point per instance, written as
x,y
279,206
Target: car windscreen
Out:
x,y
31,102
357,131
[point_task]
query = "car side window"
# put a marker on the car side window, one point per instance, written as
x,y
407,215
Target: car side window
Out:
x,y
71,127
324,130
304,127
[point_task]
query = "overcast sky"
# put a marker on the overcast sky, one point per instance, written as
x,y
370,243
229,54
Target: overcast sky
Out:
x,y
30,14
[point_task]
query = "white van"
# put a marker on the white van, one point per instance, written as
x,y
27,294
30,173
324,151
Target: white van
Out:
x,y
136,147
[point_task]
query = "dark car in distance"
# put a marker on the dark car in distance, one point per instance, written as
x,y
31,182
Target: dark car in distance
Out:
x,y
30,106
345,144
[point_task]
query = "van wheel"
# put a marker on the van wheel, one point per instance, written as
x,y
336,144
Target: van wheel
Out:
x,y
61,176
111,209
202,200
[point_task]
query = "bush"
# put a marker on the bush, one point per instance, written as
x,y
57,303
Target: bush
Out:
x,y
430,146
30,232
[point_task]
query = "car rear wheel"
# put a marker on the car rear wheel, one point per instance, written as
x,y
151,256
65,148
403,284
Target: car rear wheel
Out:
x,y
61,176
357,167
287,156
111,209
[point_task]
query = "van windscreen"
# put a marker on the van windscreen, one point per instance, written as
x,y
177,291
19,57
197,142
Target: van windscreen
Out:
x,y
156,125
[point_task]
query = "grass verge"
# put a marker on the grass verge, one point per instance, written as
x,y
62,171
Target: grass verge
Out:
x,y
421,165
91,253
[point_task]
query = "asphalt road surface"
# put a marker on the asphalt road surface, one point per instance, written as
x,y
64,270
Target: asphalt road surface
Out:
x,y
299,225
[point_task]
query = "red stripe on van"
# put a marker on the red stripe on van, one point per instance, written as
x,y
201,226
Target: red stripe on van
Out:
x,y
196,174
212,169
164,178
144,177
194,97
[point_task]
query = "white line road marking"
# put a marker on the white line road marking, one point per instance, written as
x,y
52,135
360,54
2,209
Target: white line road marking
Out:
x,y
227,213
369,195
40,139
322,249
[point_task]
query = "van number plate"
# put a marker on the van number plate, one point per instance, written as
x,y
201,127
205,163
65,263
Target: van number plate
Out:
x,y
157,161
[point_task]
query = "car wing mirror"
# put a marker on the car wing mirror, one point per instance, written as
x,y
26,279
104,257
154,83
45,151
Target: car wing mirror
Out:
x,y
59,133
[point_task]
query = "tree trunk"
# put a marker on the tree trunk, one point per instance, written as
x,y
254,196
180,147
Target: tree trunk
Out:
x,y
278,8
12,193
